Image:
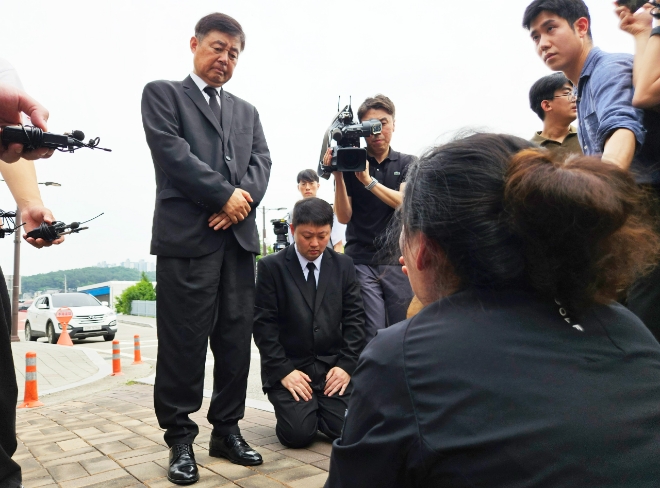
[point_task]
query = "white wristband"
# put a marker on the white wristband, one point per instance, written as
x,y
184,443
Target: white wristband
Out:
x,y
371,185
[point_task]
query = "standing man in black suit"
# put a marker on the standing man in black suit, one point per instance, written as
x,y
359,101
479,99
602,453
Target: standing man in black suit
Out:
x,y
309,327
212,167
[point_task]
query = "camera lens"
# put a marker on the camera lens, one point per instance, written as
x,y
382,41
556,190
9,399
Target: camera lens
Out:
x,y
351,160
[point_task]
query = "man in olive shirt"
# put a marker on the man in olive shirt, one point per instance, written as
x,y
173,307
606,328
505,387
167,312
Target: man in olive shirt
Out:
x,y
552,99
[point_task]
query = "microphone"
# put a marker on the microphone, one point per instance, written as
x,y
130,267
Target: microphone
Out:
x,y
34,138
78,134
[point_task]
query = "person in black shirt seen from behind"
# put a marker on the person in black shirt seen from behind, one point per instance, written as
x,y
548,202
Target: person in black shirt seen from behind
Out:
x,y
522,369
366,202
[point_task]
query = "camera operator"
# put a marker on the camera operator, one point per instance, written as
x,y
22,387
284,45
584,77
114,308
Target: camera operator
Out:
x,y
308,186
366,202
646,70
22,182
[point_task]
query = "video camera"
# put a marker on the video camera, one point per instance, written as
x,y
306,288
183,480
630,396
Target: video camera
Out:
x,y
281,229
7,218
34,138
635,5
347,155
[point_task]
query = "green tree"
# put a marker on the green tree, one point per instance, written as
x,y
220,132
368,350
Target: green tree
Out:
x,y
142,290
79,277
270,251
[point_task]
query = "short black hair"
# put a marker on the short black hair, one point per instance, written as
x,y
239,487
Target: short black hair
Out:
x,y
570,10
222,23
544,89
312,211
379,102
308,175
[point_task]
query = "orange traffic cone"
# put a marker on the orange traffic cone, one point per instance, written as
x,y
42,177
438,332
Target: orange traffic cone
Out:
x,y
116,359
64,316
31,397
137,355
65,338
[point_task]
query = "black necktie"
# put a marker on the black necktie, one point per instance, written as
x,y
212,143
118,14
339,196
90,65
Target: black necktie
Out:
x,y
311,281
213,102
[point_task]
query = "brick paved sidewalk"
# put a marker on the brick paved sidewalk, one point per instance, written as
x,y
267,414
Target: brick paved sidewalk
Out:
x,y
58,367
112,440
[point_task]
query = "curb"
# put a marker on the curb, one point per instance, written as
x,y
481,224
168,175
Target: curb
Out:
x,y
103,371
139,324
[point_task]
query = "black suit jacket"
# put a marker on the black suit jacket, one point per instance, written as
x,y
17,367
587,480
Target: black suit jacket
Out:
x,y
291,331
199,163
498,389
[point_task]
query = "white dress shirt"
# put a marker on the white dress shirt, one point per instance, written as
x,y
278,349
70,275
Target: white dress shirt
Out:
x,y
337,235
201,84
303,264
9,76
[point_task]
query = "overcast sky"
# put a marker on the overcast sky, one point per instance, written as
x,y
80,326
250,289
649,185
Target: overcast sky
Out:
x,y
446,65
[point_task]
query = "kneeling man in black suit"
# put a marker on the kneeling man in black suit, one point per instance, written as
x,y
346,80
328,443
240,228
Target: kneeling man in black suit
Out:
x,y
309,327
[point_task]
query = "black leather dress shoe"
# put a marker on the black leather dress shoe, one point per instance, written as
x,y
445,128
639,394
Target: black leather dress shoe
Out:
x,y
234,448
183,468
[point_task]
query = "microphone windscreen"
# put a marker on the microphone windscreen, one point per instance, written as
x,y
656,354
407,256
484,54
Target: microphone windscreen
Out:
x,y
78,134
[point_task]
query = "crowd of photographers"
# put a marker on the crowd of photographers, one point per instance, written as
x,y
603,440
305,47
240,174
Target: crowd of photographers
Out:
x,y
521,368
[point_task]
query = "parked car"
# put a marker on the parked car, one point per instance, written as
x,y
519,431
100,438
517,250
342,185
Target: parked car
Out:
x,y
91,318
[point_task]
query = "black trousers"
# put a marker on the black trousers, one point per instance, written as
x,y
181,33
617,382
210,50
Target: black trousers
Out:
x,y
202,300
10,471
298,421
644,296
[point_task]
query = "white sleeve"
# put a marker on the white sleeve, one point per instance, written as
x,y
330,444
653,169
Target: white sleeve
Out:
x,y
338,232
289,217
9,75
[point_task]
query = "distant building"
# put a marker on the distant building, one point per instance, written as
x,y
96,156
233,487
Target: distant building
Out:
x,y
107,291
141,265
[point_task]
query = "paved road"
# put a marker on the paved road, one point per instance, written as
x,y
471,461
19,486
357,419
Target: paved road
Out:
x,y
149,349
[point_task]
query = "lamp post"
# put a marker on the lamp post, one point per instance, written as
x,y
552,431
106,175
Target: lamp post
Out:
x,y
264,249
17,270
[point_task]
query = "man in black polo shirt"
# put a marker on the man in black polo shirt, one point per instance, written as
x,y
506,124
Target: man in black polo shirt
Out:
x,y
366,202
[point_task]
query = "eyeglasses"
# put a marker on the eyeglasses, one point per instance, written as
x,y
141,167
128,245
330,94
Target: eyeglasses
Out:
x,y
570,96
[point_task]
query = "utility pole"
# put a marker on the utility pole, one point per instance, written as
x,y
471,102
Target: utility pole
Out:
x,y
17,278
17,269
65,288
264,250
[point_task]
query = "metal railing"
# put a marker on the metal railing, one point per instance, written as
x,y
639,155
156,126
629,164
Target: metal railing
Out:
x,y
143,308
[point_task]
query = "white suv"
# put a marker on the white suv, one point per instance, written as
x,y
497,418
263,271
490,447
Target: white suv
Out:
x,y
91,318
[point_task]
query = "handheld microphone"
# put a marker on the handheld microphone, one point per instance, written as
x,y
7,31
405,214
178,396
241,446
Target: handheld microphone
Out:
x,y
34,138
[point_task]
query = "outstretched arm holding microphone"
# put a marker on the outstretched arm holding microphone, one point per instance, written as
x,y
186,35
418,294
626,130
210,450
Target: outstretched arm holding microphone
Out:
x,y
16,164
18,171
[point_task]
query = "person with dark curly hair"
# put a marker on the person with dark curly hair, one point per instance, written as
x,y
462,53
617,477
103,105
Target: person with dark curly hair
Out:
x,y
522,369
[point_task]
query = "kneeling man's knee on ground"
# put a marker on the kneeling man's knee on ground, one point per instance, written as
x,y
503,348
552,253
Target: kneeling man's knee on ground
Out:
x,y
295,437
